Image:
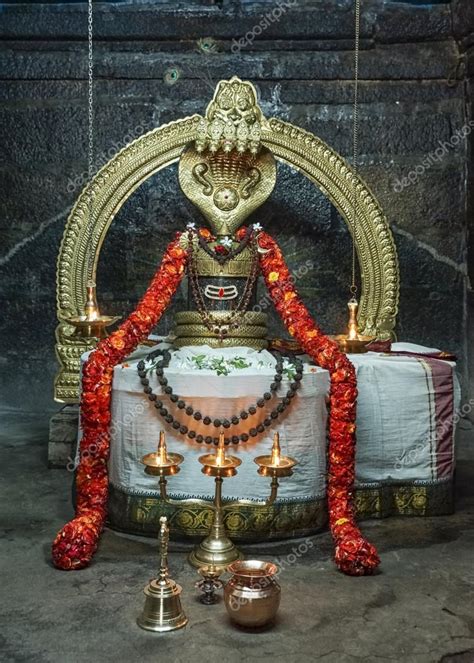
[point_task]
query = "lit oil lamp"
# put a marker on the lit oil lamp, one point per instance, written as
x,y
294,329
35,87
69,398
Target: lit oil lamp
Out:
x,y
92,324
217,549
275,465
218,464
161,463
353,342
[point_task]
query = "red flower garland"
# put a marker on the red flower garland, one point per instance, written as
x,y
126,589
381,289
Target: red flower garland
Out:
x,y
353,554
77,541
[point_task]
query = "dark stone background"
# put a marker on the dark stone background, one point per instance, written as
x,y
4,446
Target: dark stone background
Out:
x,y
417,65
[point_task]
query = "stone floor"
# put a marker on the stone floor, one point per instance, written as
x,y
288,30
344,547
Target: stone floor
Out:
x,y
418,608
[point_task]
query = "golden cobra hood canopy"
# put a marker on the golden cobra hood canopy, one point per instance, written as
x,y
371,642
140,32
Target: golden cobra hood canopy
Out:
x,y
227,168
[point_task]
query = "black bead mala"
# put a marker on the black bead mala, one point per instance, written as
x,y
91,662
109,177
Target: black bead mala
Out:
x,y
216,422
222,327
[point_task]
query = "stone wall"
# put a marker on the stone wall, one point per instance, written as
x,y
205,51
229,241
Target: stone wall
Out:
x,y
159,61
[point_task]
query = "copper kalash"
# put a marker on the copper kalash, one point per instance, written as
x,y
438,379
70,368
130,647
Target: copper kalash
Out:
x,y
227,173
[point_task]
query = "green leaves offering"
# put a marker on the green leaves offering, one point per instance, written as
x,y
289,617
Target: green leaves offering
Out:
x,y
221,365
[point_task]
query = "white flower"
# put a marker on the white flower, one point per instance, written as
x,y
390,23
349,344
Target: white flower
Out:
x,y
226,241
191,226
257,227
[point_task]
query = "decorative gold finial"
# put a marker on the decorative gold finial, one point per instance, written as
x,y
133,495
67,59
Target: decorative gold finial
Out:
x,y
233,119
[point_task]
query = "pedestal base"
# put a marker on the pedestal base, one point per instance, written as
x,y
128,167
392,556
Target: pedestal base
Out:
x,y
212,551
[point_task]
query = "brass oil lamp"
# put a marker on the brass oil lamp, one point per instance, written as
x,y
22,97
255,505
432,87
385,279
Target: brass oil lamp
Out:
x,y
161,463
353,342
217,549
92,324
209,583
275,465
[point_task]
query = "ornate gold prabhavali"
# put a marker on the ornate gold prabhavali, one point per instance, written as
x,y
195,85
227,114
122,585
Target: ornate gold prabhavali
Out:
x,y
258,138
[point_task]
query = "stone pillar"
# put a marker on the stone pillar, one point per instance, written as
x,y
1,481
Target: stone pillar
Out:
x,y
63,428
463,24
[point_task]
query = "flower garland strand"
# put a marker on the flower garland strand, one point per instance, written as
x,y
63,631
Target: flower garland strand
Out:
x,y
77,541
353,554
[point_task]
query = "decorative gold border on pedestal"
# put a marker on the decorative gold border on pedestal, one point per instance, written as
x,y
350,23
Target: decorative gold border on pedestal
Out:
x,y
140,514
144,157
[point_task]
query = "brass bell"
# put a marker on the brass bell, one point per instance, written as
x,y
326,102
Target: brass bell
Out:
x,y
162,611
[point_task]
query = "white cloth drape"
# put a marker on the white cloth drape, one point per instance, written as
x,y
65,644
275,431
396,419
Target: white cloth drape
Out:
x,y
405,416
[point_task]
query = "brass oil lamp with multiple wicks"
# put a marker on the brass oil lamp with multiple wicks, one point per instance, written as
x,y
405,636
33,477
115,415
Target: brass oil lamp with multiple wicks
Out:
x,y
217,549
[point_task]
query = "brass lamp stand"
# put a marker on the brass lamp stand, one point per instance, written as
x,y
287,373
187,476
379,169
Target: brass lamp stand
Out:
x,y
217,549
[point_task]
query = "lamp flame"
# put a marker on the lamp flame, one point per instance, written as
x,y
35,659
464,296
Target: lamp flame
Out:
x,y
353,327
220,456
276,451
91,308
162,451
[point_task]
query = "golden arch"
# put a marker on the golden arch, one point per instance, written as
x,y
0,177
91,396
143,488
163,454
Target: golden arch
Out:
x,y
125,172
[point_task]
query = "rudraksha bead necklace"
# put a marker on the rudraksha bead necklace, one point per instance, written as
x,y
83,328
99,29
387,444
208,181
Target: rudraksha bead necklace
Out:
x,y
222,326
189,411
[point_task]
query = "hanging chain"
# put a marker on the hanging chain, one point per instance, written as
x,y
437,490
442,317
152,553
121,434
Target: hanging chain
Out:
x,y
90,151
355,144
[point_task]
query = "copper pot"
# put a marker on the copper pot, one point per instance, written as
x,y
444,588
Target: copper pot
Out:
x,y
252,595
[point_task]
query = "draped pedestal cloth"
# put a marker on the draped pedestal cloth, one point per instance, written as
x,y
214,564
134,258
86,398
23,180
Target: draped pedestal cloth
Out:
x,y
405,442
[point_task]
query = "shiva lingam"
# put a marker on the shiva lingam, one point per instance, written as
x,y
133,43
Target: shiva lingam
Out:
x,y
92,324
217,549
162,611
353,342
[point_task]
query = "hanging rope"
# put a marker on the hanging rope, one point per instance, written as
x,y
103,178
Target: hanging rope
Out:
x,y
355,141
90,150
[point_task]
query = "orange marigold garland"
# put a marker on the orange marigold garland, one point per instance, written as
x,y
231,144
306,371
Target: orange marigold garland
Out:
x,y
353,554
77,541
